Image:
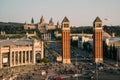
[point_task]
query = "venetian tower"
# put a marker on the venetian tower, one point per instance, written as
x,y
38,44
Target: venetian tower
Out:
x,y
65,41
97,39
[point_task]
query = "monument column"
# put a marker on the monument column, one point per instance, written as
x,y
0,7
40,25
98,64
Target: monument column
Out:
x,y
18,58
14,59
97,40
34,59
21,57
0,57
10,56
28,56
66,41
25,57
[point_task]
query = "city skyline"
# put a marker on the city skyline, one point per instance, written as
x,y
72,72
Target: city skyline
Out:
x,y
79,12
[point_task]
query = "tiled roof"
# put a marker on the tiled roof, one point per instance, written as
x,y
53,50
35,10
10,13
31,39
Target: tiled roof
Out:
x,y
16,42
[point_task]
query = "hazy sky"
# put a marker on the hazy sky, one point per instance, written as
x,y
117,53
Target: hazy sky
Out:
x,y
79,12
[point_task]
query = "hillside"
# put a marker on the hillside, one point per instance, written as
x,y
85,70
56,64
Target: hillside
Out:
x,y
17,28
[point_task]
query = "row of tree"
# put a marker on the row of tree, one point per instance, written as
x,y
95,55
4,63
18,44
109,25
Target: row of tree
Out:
x,y
12,28
17,28
108,51
89,29
112,29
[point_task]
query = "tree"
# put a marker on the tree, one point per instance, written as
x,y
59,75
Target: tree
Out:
x,y
114,53
110,52
105,50
45,60
87,47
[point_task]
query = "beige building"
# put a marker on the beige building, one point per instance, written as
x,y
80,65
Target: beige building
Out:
x,y
58,26
20,52
30,35
29,26
51,25
114,41
43,26
46,36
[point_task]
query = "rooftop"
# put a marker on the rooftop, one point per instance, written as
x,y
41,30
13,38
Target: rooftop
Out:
x,y
16,42
115,39
97,19
65,19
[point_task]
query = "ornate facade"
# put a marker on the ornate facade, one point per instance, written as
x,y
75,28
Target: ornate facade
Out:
x,y
29,26
42,26
20,52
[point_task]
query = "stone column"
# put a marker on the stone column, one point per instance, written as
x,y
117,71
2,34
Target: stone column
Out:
x,y
42,49
29,57
0,57
10,57
33,54
18,57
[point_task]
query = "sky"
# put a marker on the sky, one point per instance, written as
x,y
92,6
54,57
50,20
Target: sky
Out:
x,y
79,12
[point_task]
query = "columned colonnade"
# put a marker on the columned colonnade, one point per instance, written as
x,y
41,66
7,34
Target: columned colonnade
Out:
x,y
21,58
46,36
21,54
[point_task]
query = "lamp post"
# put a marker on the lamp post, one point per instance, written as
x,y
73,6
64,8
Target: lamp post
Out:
x,y
76,66
96,71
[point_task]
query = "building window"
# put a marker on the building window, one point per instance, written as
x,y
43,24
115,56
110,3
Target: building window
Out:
x,y
98,25
66,25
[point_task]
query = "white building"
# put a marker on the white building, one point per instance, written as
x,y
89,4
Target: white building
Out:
x,y
20,52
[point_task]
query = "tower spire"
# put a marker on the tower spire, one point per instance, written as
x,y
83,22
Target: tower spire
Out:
x,y
97,39
65,19
32,21
97,19
51,22
66,41
42,20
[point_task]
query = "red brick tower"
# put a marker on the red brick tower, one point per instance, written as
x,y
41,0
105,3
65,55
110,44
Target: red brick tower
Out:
x,y
66,41
97,39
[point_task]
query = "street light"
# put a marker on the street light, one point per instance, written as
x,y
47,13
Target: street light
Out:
x,y
97,71
76,67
